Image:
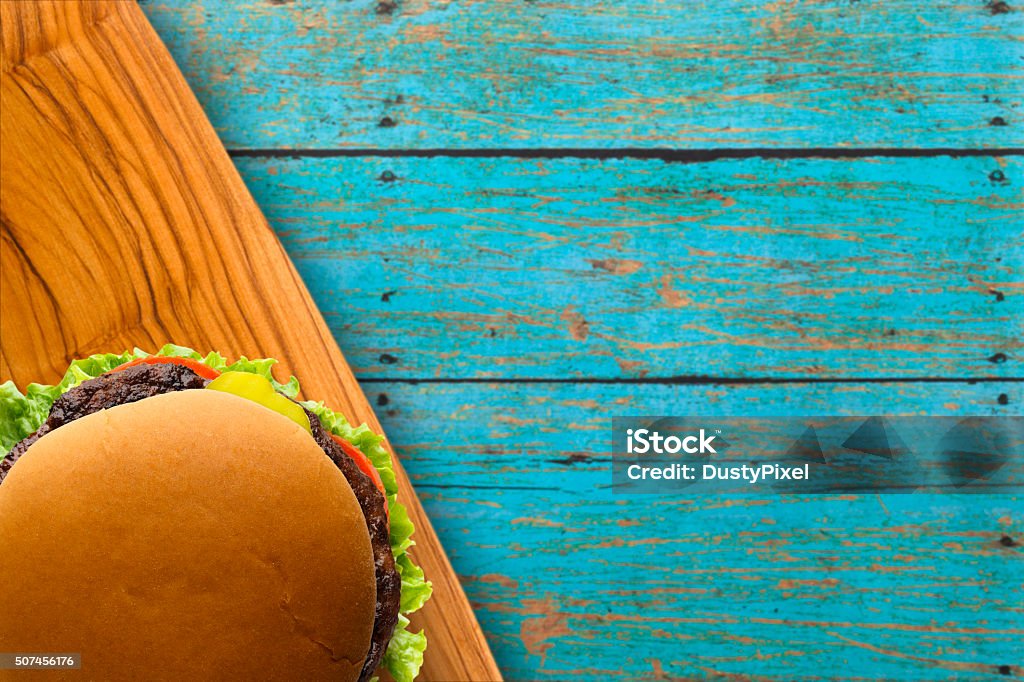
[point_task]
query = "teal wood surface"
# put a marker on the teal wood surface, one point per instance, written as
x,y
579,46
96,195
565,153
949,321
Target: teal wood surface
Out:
x,y
572,581
501,310
397,74
560,268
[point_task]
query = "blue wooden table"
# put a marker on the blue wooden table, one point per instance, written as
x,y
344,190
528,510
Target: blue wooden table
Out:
x,y
523,219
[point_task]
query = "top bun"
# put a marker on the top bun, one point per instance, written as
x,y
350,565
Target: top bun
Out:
x,y
191,535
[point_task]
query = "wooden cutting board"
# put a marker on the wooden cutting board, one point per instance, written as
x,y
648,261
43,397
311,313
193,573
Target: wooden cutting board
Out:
x,y
124,223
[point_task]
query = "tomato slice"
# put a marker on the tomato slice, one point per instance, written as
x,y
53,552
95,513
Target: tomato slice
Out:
x,y
194,365
365,465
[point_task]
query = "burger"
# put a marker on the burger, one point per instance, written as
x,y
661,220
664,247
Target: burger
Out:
x,y
176,516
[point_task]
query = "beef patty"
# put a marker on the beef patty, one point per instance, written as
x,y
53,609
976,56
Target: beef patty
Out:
x,y
144,381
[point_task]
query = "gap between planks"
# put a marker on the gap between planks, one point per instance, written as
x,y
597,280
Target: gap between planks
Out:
x,y
689,380
663,154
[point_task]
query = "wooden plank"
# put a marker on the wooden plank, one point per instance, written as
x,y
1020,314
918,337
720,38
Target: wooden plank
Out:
x,y
125,223
466,267
589,583
534,424
404,74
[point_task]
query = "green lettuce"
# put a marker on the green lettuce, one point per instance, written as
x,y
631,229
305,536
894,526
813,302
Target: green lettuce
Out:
x,y
404,656
21,414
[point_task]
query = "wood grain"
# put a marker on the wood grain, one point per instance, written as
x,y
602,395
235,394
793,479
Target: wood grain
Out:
x,y
573,581
392,74
125,223
564,268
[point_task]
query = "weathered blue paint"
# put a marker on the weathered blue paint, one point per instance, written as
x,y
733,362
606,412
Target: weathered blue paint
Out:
x,y
625,268
573,581
607,73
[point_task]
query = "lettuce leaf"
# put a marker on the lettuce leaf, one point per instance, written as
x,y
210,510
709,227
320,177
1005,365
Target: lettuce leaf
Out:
x,y
404,655
415,590
21,414
215,360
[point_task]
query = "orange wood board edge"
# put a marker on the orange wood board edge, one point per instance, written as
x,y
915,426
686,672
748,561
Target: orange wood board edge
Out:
x,y
124,223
